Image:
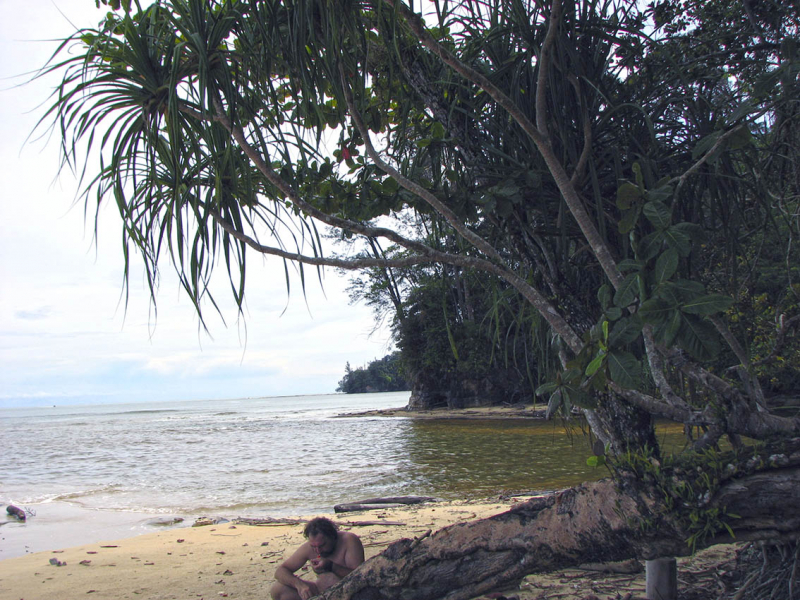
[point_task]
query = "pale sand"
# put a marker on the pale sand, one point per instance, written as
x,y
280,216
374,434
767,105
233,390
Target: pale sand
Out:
x,y
238,561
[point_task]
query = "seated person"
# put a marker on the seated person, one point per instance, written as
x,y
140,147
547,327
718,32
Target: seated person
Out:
x,y
332,554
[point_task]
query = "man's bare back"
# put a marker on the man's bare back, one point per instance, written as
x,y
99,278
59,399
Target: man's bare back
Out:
x,y
331,558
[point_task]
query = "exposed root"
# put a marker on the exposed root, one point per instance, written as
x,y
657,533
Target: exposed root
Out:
x,y
765,572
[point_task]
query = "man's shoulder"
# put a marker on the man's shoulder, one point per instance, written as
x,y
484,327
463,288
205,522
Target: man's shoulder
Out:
x,y
349,537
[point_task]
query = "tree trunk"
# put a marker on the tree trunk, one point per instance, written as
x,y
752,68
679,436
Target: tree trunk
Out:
x,y
597,522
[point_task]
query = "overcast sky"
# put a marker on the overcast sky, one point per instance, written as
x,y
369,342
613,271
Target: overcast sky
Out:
x,y
65,338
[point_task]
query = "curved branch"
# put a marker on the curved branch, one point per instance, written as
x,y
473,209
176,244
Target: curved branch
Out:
x,y
412,186
568,191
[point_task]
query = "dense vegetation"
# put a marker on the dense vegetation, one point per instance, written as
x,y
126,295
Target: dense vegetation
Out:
x,y
380,375
599,195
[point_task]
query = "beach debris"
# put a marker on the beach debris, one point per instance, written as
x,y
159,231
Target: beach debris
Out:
x,y
109,546
228,572
265,543
220,551
181,540
57,563
165,521
17,512
203,521
268,521
91,552
85,562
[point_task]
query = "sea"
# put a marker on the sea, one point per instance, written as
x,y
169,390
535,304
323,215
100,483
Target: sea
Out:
x,y
101,472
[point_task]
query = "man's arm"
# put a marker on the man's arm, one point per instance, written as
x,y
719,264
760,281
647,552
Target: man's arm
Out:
x,y
285,572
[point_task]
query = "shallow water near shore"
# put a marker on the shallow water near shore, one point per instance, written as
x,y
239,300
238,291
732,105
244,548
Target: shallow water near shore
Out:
x,y
101,472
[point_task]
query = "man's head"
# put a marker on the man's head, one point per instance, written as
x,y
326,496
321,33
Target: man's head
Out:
x,y
322,534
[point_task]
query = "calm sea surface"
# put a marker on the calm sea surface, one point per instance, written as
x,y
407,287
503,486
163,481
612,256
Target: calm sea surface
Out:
x,y
268,456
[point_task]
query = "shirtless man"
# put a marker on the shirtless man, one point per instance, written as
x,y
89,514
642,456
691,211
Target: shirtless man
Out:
x,y
332,554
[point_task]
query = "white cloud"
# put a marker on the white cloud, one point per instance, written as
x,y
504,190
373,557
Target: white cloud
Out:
x,y
64,329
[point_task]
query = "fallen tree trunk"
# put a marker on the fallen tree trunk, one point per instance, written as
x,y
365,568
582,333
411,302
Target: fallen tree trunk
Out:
x,y
603,521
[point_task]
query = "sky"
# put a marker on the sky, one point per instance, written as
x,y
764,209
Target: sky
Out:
x,y
66,336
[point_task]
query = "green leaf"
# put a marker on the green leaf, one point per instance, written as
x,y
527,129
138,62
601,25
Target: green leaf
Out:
x,y
624,369
604,295
698,338
625,331
708,305
546,388
626,293
630,264
660,194
695,232
627,194
678,240
705,144
666,332
612,313
629,219
553,404
596,461
658,214
666,265
686,289
655,311
596,363
650,246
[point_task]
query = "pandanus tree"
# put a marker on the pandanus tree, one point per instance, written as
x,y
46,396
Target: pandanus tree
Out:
x,y
628,174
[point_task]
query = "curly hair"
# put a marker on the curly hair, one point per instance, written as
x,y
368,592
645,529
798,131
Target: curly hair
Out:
x,y
321,525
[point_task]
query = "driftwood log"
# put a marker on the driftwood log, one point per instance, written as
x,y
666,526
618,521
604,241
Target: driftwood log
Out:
x,y
382,503
604,521
17,512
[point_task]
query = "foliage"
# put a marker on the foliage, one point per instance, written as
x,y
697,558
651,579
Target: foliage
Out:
x,y
623,173
380,375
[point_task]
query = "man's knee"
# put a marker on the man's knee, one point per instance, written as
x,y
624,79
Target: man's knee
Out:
x,y
278,591
326,580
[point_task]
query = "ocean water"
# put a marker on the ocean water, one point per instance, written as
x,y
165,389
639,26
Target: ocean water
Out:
x,y
79,467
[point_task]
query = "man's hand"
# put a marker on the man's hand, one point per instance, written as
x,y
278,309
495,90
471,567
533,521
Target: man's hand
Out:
x,y
321,565
305,589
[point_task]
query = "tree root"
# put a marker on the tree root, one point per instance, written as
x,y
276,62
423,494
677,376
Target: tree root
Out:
x,y
767,572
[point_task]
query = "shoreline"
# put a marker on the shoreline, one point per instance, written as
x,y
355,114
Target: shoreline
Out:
x,y
515,411
238,560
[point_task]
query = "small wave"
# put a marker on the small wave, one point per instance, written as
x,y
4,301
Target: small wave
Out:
x,y
106,489
152,411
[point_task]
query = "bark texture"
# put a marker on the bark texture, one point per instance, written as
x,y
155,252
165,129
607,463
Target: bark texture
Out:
x,y
598,522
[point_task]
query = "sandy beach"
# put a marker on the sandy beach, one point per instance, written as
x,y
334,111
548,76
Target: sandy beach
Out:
x,y
236,560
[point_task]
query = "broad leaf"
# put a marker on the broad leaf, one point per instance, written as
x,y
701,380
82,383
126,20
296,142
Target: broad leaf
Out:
x,y
613,313
627,194
655,311
596,363
707,305
678,240
553,404
629,264
658,214
666,332
624,369
604,295
698,338
629,219
546,388
627,292
650,245
625,331
666,265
